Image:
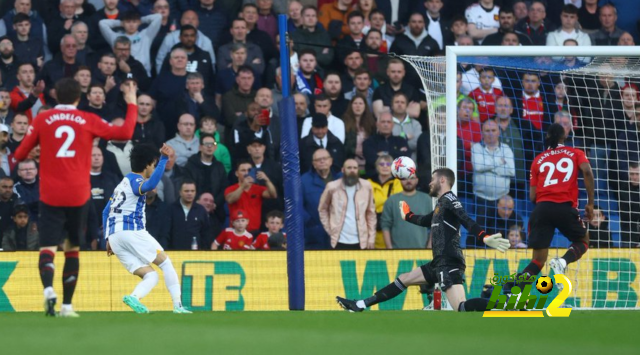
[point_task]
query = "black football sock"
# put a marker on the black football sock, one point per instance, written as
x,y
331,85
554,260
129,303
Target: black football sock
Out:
x,y
473,305
70,275
46,267
575,252
386,293
534,267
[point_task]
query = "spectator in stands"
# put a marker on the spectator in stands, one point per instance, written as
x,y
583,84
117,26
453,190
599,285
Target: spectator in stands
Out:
x,y
630,99
203,42
38,28
515,237
313,184
120,151
26,47
608,34
208,125
483,19
313,33
485,95
383,143
507,20
415,41
236,237
8,62
83,77
564,119
198,61
499,218
6,113
493,166
102,184
104,76
347,210
97,105
148,129
470,132
322,105
308,79
235,102
127,64
141,40
169,85
397,233
437,27
520,9
27,188
302,109
19,127
569,18
629,198
375,63
208,173
403,125
532,104
471,80
264,98
22,234
320,138
255,57
187,220
27,97
332,87
598,228
255,125
628,146
80,32
384,93
459,30
184,143
384,184
267,20
362,86
273,170
212,19
167,25
7,161
352,62
248,195
536,25
61,66
143,7
61,23
333,18
109,11
295,16
157,214
588,14
226,78
196,100
354,39
8,200
275,225
257,36
626,39
359,124
377,21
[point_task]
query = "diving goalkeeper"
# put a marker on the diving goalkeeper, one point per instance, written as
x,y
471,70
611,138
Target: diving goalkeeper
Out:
x,y
448,265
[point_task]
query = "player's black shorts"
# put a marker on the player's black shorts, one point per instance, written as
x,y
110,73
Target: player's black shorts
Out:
x,y
447,276
547,216
55,224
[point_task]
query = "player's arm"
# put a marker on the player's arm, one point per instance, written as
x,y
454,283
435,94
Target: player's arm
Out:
x,y
105,216
28,143
494,241
420,220
587,174
140,189
110,132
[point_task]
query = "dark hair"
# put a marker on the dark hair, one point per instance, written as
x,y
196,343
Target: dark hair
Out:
x,y
4,89
308,7
108,55
489,69
307,51
570,9
68,91
187,28
122,40
447,174
241,162
400,93
506,10
207,135
26,63
130,16
187,181
245,69
142,155
249,5
104,91
353,14
238,19
634,164
21,208
367,121
555,134
374,12
321,97
275,214
459,18
20,17
208,118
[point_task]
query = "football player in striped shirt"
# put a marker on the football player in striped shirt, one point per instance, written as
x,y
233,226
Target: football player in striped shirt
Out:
x,y
124,222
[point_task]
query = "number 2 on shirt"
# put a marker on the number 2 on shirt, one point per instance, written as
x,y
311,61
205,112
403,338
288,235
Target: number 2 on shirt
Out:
x,y
564,165
64,151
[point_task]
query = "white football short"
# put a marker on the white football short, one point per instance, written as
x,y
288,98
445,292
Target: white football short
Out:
x,y
134,249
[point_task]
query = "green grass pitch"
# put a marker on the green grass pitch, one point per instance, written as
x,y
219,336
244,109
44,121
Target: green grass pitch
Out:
x,y
327,333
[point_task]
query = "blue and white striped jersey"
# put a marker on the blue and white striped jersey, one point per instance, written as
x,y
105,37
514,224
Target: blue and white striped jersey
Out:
x,y
127,206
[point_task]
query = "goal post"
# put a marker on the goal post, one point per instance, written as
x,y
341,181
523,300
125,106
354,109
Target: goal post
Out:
x,y
605,277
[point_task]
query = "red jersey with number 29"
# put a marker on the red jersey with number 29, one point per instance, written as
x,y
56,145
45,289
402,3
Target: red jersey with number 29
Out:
x,y
554,173
65,135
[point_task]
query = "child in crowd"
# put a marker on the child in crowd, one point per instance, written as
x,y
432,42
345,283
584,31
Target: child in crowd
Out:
x,y
486,95
22,234
236,238
274,224
515,237
599,234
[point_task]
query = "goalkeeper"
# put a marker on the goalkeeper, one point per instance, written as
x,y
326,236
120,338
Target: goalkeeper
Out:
x,y
448,265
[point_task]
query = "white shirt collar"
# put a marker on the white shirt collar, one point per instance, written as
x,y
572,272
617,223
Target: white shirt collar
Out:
x,y
527,97
65,107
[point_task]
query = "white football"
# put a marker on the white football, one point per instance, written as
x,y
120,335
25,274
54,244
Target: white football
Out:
x,y
403,168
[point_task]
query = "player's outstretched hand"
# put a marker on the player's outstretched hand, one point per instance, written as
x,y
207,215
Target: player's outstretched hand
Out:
x,y
109,251
497,242
588,211
130,89
166,150
405,210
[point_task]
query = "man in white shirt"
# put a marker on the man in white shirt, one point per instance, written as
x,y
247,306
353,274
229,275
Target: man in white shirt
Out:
x,y
483,19
336,126
569,18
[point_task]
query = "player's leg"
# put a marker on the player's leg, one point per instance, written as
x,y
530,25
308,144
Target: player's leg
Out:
x,y
417,276
451,280
122,244
76,221
50,224
171,280
541,231
572,227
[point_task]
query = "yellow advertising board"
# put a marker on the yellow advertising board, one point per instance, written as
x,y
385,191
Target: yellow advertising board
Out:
x,y
257,281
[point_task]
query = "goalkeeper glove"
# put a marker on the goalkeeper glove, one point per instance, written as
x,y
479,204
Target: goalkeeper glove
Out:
x,y
405,210
496,241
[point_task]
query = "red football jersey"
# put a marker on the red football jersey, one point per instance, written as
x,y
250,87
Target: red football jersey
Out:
x,y
231,241
262,241
554,172
486,102
533,109
65,135
251,202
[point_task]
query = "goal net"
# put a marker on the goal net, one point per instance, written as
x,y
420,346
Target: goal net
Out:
x,y
488,111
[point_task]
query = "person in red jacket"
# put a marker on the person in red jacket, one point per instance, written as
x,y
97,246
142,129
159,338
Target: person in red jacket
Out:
x,y
485,95
27,97
532,107
65,135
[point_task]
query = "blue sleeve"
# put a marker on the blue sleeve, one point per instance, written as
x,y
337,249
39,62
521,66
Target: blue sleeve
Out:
x,y
141,187
105,216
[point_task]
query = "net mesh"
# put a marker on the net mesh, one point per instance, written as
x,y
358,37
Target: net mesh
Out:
x,y
596,100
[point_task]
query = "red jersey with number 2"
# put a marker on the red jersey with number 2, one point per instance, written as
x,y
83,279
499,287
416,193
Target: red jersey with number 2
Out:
x,y
65,135
554,173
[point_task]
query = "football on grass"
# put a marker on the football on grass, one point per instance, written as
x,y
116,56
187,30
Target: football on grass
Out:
x,y
403,168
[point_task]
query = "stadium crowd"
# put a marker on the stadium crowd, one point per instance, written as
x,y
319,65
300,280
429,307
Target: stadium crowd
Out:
x,y
209,81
